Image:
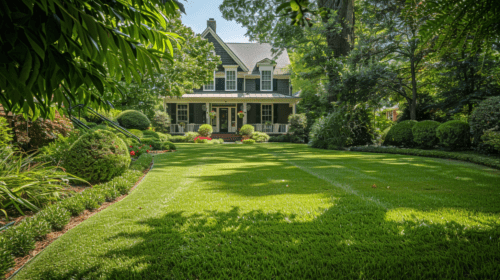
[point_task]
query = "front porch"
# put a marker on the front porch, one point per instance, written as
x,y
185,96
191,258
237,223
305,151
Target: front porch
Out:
x,y
269,115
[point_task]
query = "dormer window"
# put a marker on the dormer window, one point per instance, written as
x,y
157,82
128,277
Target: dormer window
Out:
x,y
266,80
231,78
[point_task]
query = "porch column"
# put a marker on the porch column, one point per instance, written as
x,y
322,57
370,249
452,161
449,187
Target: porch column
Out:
x,y
207,111
245,113
294,109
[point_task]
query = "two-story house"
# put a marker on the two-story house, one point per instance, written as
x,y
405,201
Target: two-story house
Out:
x,y
249,80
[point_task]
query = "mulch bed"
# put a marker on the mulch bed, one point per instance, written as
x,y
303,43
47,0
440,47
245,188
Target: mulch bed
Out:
x,y
40,245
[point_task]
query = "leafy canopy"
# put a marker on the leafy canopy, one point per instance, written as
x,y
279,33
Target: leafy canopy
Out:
x,y
57,51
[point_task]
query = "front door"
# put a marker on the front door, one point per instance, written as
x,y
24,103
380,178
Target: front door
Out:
x,y
224,119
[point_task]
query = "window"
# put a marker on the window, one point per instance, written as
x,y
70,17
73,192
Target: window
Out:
x,y
267,113
210,86
182,113
266,80
231,79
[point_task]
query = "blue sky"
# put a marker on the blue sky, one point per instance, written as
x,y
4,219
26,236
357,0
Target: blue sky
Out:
x,y
199,11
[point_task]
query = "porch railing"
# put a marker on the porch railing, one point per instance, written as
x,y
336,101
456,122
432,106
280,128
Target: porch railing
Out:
x,y
277,128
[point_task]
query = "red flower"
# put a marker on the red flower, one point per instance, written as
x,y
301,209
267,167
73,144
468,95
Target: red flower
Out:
x,y
130,146
132,153
147,151
150,146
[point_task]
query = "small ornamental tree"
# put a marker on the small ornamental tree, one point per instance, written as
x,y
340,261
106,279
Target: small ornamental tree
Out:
x,y
133,119
161,122
298,124
247,130
97,156
205,130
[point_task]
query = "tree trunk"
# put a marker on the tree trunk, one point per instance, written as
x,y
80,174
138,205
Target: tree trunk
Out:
x,y
413,105
339,43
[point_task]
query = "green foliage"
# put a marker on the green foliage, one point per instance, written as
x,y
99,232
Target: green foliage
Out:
x,y
454,135
88,200
132,119
168,146
424,133
27,185
136,150
20,240
74,205
161,122
142,162
401,134
56,216
260,136
37,225
205,130
298,125
201,141
152,143
247,130
190,136
150,134
216,141
164,137
55,152
248,141
492,139
36,134
6,257
281,138
91,124
485,116
98,156
5,132
48,60
178,139
136,132
342,128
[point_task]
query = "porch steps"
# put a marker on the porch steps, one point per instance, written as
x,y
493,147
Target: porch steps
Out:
x,y
229,137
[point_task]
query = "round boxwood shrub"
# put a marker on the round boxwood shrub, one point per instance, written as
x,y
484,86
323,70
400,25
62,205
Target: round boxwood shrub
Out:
x,y
97,156
400,134
150,134
260,137
205,130
56,216
133,119
424,133
167,145
247,130
485,116
454,135
136,132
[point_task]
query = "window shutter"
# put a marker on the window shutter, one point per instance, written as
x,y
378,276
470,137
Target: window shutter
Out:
x,y
257,112
275,113
240,84
257,84
219,84
275,84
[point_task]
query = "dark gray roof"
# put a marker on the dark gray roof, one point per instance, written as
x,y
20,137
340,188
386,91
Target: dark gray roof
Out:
x,y
225,94
251,53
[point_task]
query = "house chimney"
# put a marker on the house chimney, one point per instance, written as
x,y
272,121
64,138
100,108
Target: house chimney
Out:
x,y
211,23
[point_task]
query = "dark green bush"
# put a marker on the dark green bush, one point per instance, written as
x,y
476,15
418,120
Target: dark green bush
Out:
x,y
205,130
178,139
20,240
142,162
424,134
6,257
247,130
74,205
190,136
401,134
97,156
492,139
133,119
150,134
344,127
152,143
485,116
298,124
168,146
56,216
201,141
91,124
454,135
248,141
37,225
89,201
280,138
136,132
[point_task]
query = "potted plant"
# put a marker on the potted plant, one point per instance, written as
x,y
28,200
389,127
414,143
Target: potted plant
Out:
x,y
241,114
212,114
246,131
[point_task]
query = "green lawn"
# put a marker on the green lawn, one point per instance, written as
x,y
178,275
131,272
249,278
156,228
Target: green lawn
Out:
x,y
288,211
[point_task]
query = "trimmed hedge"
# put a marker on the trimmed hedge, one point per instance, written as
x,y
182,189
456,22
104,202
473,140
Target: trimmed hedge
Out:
x,y
260,136
248,141
464,156
167,145
150,134
155,144
136,132
191,136
485,116
133,119
205,130
178,139
97,156
454,135
142,162
424,134
247,130
400,134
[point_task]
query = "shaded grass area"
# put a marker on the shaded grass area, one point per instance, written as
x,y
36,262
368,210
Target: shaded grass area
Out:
x,y
281,211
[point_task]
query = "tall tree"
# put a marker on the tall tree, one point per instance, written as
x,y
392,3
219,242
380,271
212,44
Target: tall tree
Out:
x,y
54,51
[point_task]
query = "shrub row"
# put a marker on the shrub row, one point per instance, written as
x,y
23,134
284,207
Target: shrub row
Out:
x,y
142,162
453,135
18,240
464,156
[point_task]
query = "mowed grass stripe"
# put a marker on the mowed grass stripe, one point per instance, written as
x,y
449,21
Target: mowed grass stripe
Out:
x,y
225,211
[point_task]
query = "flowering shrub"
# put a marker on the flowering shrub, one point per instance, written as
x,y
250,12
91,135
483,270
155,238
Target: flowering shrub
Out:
x,y
201,137
136,150
205,130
